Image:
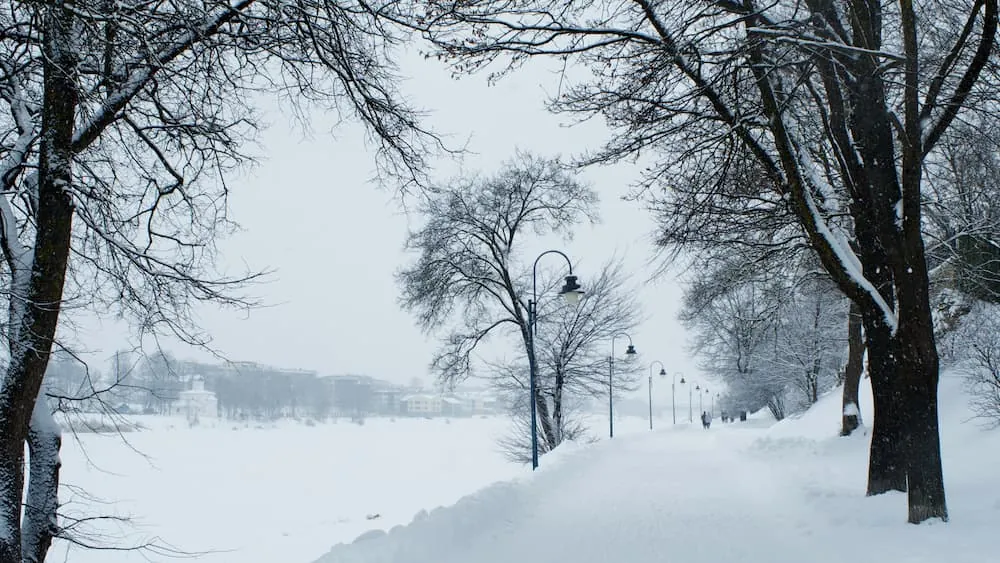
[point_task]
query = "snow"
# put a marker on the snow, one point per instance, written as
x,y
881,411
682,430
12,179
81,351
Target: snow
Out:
x,y
789,491
851,409
849,260
274,493
792,492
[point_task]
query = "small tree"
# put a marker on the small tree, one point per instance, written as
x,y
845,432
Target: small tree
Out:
x,y
468,278
572,345
977,355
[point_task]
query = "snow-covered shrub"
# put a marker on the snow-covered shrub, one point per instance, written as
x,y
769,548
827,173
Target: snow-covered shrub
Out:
x,y
974,348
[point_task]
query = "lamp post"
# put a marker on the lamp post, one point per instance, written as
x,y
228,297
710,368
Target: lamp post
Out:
x,y
673,395
630,351
663,373
691,402
701,404
572,293
714,397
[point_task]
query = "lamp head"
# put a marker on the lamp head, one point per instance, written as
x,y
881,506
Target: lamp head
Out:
x,y
571,291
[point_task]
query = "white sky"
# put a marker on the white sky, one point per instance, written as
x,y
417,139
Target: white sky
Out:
x,y
335,240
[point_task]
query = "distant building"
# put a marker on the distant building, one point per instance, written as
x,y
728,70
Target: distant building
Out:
x,y
478,402
352,395
197,402
453,406
388,400
422,405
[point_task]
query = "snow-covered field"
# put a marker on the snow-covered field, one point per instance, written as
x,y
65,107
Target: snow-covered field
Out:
x,y
791,493
752,492
277,494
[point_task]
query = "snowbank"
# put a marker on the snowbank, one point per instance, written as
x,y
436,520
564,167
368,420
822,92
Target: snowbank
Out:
x,y
788,494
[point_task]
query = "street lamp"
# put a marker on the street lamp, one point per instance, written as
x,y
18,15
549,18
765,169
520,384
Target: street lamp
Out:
x,y
701,404
673,395
663,373
630,351
691,391
570,291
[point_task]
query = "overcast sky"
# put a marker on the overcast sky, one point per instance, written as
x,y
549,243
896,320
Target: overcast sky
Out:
x,y
335,240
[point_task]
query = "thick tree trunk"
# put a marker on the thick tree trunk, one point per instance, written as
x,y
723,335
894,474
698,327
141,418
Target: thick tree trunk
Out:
x,y
40,523
926,495
886,468
851,418
916,350
12,479
33,328
918,366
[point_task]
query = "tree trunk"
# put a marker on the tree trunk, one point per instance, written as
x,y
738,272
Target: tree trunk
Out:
x,y
40,523
886,469
851,418
917,358
817,365
12,476
33,328
557,407
926,494
916,350
544,422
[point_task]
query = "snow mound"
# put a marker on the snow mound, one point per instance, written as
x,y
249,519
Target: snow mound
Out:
x,y
823,419
791,493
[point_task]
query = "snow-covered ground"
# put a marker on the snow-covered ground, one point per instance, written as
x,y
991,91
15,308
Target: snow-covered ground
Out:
x,y
790,493
275,493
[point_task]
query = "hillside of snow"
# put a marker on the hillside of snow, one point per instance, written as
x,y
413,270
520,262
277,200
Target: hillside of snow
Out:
x,y
791,493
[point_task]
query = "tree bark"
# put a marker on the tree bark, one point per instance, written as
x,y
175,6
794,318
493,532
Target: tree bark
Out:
x,y
545,421
886,468
916,350
40,522
919,374
851,412
557,407
33,327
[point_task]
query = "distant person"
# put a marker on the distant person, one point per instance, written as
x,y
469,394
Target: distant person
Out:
x,y
706,419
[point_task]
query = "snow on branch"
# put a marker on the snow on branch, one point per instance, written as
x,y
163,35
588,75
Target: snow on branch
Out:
x,y
849,261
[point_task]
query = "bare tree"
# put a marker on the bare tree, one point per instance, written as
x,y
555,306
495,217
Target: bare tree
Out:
x,y
963,211
977,356
119,121
733,315
775,335
839,104
468,271
810,339
571,345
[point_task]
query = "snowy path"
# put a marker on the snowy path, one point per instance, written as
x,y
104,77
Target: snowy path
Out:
x,y
684,496
689,494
